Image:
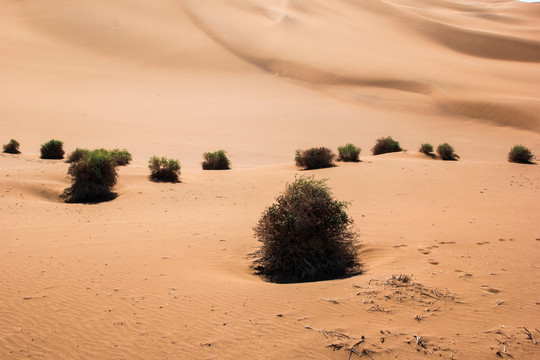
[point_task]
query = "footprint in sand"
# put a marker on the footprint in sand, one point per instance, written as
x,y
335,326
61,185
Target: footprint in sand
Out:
x,y
424,251
447,242
399,246
482,243
490,289
433,262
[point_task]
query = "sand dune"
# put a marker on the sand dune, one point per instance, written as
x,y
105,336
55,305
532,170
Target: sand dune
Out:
x,y
163,271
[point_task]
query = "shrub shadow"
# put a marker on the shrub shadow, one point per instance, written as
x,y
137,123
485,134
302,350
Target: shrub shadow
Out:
x,y
67,197
164,181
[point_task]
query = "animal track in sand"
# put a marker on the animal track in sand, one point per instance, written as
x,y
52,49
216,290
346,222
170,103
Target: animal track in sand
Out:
x,y
482,243
424,251
447,242
490,289
403,245
433,262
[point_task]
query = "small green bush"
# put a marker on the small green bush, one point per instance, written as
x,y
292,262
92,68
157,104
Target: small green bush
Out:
x,y
520,154
94,177
446,152
12,147
306,235
121,157
349,152
314,158
52,149
76,155
216,161
163,169
385,145
426,149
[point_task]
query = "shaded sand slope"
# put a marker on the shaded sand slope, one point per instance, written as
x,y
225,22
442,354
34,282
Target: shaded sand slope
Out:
x,y
403,46
163,270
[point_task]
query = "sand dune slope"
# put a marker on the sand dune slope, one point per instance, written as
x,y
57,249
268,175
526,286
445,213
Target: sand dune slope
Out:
x,y
403,46
163,271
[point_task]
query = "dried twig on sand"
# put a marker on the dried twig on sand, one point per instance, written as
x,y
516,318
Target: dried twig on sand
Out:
x,y
529,335
376,307
331,300
335,333
336,346
420,343
399,280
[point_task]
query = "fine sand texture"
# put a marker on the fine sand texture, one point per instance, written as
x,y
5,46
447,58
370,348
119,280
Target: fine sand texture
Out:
x,y
449,249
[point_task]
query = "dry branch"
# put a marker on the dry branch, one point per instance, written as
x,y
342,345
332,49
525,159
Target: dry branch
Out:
x,y
529,335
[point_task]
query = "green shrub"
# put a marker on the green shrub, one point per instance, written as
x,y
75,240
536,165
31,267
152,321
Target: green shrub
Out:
x,y
52,149
93,176
385,145
12,147
306,235
163,169
216,161
520,154
349,152
314,158
426,149
446,152
76,155
121,157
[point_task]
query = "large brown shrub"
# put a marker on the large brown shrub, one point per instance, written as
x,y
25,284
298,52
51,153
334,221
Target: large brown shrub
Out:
x,y
385,145
163,169
446,152
520,154
76,155
52,149
12,147
93,176
314,158
216,160
306,235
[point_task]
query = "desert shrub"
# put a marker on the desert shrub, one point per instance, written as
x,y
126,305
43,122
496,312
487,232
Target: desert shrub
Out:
x,y
76,155
314,158
348,152
52,149
306,235
520,154
121,157
426,149
163,169
12,147
93,176
216,161
446,152
385,145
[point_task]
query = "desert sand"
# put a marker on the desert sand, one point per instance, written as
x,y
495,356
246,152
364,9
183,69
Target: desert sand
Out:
x,y
163,271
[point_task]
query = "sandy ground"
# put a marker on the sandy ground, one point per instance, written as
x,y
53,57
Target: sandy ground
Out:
x,y
163,271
